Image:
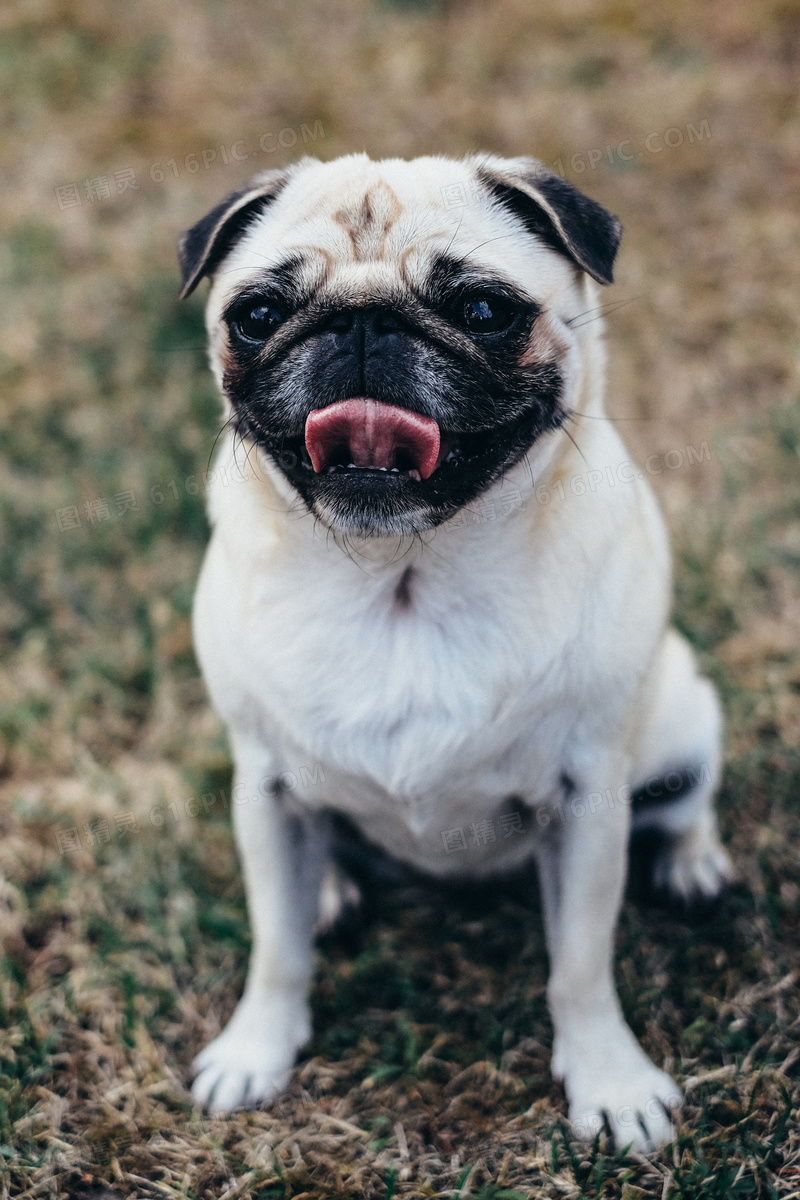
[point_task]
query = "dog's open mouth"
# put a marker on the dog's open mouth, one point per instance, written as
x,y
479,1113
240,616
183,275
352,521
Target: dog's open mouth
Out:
x,y
372,444
376,467
362,434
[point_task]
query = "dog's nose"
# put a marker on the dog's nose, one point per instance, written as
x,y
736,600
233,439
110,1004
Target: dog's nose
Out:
x,y
365,351
363,326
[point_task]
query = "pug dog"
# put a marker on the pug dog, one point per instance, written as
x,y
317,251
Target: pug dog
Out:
x,y
434,608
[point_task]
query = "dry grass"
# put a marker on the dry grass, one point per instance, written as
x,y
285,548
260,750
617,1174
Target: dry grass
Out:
x,y
428,1073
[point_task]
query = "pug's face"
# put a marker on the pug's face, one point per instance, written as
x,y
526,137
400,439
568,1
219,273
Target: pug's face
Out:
x,y
396,335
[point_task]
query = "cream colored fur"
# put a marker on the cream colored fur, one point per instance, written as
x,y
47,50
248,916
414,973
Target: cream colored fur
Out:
x,y
535,652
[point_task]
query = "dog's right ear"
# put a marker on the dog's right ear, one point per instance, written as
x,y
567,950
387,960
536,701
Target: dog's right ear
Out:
x,y
202,248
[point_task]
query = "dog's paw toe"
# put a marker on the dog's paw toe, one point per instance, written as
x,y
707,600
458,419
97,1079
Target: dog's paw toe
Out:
x,y
688,874
224,1082
642,1126
339,897
251,1059
219,1089
693,881
633,1106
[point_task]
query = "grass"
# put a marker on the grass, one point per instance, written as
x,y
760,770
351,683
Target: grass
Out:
x,y
124,934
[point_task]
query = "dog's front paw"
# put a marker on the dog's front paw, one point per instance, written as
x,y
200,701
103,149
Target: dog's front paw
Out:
x,y
631,1112
250,1060
618,1093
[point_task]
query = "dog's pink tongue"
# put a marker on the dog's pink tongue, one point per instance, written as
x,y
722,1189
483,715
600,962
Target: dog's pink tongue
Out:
x,y
372,434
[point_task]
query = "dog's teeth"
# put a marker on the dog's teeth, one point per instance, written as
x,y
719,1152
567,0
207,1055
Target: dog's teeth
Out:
x,y
414,474
455,452
394,471
382,468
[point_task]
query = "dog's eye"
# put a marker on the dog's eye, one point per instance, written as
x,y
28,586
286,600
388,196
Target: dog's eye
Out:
x,y
485,314
257,321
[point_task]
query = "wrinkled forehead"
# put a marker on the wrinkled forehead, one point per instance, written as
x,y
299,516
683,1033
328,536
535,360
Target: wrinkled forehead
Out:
x,y
360,227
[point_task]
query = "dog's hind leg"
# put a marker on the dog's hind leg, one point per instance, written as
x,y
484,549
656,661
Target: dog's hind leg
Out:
x,y
675,851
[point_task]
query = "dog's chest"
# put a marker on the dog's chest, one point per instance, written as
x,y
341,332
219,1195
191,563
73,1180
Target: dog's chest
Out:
x,y
406,685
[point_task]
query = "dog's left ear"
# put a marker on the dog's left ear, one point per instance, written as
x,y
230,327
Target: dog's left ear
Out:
x,y
555,211
202,248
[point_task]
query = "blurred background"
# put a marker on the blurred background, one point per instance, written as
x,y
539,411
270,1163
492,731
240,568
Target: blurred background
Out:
x,y
121,911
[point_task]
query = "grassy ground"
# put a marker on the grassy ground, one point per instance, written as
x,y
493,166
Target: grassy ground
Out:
x,y
121,911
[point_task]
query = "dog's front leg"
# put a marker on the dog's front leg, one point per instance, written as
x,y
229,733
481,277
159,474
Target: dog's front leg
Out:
x,y
283,858
610,1083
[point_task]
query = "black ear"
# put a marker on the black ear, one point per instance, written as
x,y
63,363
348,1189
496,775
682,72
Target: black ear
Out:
x,y
202,248
555,211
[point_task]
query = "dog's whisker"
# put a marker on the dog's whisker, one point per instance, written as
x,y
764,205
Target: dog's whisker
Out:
x,y
230,419
488,242
574,416
575,444
449,245
600,310
527,461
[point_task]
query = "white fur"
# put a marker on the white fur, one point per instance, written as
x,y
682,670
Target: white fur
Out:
x,y
534,651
